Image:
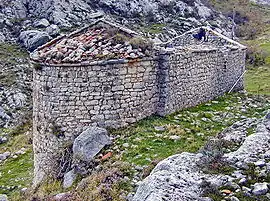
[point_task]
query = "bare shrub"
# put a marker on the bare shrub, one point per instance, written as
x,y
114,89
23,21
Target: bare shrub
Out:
x,y
256,57
139,42
213,161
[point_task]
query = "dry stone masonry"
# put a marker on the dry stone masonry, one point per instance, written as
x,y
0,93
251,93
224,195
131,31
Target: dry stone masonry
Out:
x,y
71,96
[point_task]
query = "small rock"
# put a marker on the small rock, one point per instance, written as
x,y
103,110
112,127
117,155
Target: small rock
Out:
x,y
62,196
260,163
174,137
3,140
130,196
2,37
260,188
139,168
206,199
43,23
4,156
233,198
69,178
200,134
246,189
238,174
3,197
242,181
242,165
160,128
133,55
53,30
126,145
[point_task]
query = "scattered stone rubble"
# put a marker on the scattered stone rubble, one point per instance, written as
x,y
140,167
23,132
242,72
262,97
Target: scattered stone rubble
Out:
x,y
180,177
4,156
93,44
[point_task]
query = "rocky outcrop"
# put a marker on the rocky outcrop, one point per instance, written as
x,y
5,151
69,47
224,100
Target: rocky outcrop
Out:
x,y
254,146
263,2
177,178
180,177
162,19
15,86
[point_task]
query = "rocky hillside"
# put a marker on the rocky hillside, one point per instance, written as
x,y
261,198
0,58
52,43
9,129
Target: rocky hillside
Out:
x,y
233,166
164,19
263,2
15,86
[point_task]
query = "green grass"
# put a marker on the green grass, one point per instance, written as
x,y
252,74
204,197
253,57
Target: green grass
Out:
x,y
146,144
154,28
266,48
257,80
10,53
16,173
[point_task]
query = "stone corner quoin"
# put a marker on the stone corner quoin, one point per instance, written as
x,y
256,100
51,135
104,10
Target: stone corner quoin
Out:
x,y
69,98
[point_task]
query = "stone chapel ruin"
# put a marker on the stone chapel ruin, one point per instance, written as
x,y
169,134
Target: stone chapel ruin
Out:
x,y
109,76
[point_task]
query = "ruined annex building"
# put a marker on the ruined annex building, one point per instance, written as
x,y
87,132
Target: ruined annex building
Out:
x,y
109,76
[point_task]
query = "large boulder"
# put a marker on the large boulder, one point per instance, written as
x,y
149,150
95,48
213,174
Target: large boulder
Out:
x,y
253,145
32,39
89,143
178,177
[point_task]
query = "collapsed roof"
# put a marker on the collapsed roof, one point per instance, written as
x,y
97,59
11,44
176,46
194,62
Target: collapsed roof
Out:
x,y
103,40
100,40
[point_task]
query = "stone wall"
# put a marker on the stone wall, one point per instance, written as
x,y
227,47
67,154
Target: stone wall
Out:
x,y
69,99
193,77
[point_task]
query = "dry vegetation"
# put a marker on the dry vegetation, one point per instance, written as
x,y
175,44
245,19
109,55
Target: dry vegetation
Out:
x,y
249,18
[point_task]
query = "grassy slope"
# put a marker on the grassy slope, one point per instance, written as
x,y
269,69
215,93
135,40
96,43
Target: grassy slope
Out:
x,y
193,126
257,79
14,173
